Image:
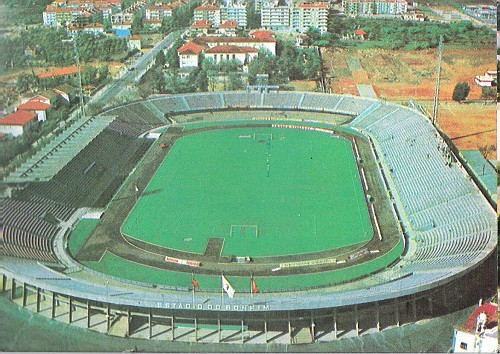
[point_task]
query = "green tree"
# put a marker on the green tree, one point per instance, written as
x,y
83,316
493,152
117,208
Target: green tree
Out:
x,y
488,93
461,91
160,59
234,82
25,82
201,82
253,17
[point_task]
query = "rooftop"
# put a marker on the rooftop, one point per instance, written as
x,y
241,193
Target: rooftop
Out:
x,y
33,105
491,312
190,48
202,24
207,8
229,24
17,118
207,39
230,49
67,70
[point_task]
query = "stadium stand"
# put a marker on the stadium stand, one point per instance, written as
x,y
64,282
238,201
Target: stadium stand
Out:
x,y
29,227
50,159
290,101
134,119
449,227
92,177
204,102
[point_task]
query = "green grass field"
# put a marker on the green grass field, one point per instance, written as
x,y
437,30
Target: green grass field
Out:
x,y
297,192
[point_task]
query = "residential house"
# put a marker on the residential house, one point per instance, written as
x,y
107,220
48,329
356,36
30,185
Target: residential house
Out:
x,y
487,80
37,107
359,34
18,123
134,42
479,333
219,53
202,27
228,28
66,91
254,42
189,54
65,73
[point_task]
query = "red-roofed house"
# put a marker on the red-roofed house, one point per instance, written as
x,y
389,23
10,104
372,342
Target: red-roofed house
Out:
x,y
134,42
262,33
189,54
18,123
359,34
38,107
479,333
228,27
257,43
201,26
231,52
207,12
66,73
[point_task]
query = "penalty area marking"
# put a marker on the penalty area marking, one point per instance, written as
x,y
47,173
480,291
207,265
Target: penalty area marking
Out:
x,y
242,230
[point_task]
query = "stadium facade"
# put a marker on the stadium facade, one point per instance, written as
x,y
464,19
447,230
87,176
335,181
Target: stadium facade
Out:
x,y
448,226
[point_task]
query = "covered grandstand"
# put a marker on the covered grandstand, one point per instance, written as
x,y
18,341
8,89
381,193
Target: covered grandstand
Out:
x,y
448,226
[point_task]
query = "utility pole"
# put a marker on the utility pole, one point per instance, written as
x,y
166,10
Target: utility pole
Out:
x,y
438,74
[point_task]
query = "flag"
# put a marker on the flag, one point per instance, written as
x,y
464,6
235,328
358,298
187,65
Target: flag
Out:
x,y
227,287
136,189
253,286
195,283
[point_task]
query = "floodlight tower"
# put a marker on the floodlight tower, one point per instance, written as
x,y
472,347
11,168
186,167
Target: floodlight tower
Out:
x,y
438,73
77,62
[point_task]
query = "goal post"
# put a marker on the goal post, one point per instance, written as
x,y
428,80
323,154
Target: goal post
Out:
x,y
244,230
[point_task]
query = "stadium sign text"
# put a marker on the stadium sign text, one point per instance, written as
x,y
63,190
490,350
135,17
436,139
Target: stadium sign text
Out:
x,y
227,307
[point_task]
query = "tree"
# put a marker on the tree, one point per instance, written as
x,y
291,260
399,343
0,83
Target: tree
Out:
x,y
488,93
201,81
461,91
160,59
486,151
234,82
25,82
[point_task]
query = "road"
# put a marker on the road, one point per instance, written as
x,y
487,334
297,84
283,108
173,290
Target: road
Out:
x,y
141,65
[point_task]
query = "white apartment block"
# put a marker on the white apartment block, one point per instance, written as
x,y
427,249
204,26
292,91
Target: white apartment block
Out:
x,y
234,12
157,11
300,17
208,12
375,7
275,16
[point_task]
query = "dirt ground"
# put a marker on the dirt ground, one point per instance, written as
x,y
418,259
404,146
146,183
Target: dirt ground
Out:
x,y
410,75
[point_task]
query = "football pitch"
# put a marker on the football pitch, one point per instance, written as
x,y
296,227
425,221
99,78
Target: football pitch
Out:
x,y
266,191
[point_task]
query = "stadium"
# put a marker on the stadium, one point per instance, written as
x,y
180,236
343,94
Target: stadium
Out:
x,y
249,217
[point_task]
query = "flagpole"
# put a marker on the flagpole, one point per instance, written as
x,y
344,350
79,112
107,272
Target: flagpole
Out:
x,y
192,283
221,290
251,287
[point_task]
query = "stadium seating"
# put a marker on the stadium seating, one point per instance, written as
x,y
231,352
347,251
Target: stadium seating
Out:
x,y
91,178
29,227
449,224
134,119
204,102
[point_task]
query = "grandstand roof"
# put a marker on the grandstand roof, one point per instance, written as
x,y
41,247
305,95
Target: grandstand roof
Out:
x,y
17,118
491,311
230,49
34,105
190,48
